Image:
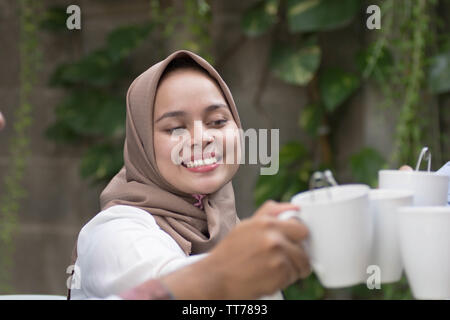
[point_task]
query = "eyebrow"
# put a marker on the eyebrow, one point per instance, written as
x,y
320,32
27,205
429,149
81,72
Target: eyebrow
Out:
x,y
182,113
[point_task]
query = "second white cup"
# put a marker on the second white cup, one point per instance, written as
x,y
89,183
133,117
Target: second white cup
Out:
x,y
384,205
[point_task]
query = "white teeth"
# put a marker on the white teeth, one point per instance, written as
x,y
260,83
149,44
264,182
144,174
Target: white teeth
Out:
x,y
200,162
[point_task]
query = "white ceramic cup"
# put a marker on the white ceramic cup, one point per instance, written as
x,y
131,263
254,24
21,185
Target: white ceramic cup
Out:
x,y
429,188
424,234
340,232
384,204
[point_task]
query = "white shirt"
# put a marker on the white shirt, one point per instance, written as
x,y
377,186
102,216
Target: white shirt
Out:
x,y
122,247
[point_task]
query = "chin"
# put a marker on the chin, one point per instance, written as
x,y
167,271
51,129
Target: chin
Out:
x,y
206,185
207,188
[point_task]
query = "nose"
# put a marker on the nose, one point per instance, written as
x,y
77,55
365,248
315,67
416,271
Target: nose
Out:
x,y
200,138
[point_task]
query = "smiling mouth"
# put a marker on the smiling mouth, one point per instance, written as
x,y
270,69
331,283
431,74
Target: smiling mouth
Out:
x,y
210,160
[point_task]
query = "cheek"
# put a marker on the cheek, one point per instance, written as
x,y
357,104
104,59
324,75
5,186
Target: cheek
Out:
x,y
163,150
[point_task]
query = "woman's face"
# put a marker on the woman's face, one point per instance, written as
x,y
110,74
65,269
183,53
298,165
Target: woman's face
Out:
x,y
189,100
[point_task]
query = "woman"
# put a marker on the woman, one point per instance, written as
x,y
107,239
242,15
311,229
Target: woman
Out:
x,y
161,212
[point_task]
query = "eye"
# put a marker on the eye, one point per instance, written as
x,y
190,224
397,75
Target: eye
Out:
x,y
171,130
218,122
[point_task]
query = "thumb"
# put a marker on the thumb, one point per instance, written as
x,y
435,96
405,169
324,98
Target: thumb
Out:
x,y
273,209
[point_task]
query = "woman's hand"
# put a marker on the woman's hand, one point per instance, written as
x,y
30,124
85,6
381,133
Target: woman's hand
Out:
x,y
260,256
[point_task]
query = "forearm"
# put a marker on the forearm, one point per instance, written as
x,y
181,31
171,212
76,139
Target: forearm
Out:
x,y
153,289
196,282
192,282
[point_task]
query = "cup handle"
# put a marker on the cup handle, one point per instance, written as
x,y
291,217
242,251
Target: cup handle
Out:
x,y
285,215
298,214
425,153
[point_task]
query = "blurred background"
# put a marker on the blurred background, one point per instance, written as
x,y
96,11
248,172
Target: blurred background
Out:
x,y
344,95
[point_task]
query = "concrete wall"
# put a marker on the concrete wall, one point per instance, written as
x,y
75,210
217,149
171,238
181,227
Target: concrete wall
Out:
x,y
59,202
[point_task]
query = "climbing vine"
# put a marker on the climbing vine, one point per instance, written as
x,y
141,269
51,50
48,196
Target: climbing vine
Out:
x,y
406,39
195,21
19,145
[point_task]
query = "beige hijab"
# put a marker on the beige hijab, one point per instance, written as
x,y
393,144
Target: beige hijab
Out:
x,y
140,184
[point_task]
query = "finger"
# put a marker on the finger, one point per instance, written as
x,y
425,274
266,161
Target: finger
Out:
x,y
293,229
272,208
298,260
306,272
283,207
406,168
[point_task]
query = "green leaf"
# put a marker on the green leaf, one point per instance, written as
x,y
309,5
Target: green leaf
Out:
x,y
60,132
306,289
311,118
295,65
336,86
439,73
260,17
101,162
291,152
103,66
96,69
320,15
287,181
270,186
54,19
365,166
375,61
91,112
122,41
294,186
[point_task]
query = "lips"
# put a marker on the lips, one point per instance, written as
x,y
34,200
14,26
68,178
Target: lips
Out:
x,y
197,161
